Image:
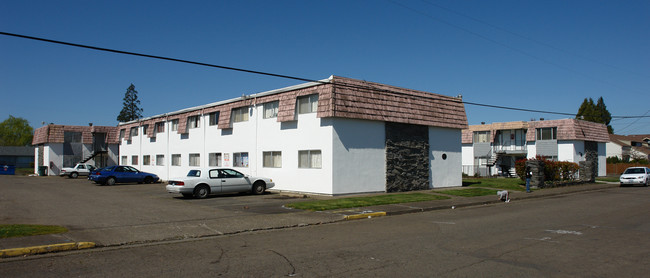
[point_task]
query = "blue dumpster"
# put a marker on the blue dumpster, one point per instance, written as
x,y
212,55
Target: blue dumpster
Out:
x,y
7,170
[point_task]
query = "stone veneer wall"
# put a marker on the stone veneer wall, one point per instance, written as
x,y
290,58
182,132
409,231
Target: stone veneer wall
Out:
x,y
407,157
537,167
589,167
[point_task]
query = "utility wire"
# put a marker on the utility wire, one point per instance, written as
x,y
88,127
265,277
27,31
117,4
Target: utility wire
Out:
x,y
285,76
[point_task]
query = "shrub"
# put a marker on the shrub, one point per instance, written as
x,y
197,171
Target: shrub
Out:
x,y
553,170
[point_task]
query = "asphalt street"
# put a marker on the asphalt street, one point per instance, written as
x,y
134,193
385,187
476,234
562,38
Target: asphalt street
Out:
x,y
600,233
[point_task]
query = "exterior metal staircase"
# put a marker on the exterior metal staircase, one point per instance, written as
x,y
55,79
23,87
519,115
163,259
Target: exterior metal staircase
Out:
x,y
91,156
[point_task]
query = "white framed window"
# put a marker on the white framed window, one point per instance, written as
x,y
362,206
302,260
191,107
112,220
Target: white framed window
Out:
x,y
240,159
146,160
160,127
481,136
144,129
272,159
134,160
176,160
122,131
134,131
308,104
271,109
175,125
309,159
193,121
195,159
547,133
160,159
214,118
214,159
124,160
240,114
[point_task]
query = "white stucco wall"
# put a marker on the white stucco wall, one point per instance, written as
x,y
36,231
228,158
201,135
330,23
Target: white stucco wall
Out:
x,y
359,156
613,150
602,159
531,150
445,172
53,157
570,151
468,159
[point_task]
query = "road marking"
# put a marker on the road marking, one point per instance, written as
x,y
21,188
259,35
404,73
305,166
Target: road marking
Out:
x,y
546,239
565,232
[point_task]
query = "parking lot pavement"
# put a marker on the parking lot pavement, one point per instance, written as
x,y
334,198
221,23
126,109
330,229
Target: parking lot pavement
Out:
x,y
141,213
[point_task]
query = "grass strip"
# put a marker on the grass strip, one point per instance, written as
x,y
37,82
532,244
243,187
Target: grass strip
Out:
x,y
610,179
18,230
512,184
469,192
353,202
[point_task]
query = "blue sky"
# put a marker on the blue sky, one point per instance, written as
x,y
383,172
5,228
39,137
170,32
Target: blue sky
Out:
x,y
541,55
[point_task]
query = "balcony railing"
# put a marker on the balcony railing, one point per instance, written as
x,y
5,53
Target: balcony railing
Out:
x,y
509,148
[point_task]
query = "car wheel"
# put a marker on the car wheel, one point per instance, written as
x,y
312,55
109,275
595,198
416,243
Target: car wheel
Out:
x,y
201,191
110,181
74,175
259,187
148,180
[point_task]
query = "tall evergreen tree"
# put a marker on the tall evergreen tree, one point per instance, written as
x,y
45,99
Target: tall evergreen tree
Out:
x,y
131,106
595,112
15,132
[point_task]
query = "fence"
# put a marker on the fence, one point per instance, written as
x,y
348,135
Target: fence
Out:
x,y
619,168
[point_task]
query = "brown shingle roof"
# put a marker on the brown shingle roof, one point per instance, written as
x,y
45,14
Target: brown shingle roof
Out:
x,y
55,133
567,129
345,98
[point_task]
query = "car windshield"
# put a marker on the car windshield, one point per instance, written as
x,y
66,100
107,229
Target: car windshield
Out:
x,y
634,171
194,173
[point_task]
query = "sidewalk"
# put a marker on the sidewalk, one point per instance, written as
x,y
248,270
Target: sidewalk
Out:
x,y
126,235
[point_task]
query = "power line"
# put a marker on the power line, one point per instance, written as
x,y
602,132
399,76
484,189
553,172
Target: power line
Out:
x,y
282,75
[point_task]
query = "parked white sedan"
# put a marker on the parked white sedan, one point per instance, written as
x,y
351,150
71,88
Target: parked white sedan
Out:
x,y
203,182
635,175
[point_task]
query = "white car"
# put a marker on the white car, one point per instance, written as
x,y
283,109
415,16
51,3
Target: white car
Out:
x,y
81,169
635,175
203,182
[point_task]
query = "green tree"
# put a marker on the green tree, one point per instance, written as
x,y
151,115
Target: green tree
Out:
x,y
15,132
131,106
595,112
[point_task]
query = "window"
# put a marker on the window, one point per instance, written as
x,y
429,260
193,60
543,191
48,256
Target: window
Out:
x,y
134,160
214,118
271,109
122,131
124,160
144,129
193,121
214,159
481,136
175,125
308,104
309,159
547,133
195,159
176,160
160,159
146,160
272,159
240,160
134,131
160,127
240,114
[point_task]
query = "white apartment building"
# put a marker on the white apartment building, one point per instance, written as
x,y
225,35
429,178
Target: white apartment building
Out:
x,y
335,136
492,149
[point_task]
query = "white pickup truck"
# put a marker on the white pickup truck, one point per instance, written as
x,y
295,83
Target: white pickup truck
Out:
x,y
81,169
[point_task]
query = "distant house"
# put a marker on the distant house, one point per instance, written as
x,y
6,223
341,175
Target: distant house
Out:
x,y
21,157
492,149
335,136
628,147
59,146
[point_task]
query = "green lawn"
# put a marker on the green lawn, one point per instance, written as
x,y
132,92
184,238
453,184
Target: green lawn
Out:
x,y
353,202
514,184
24,171
17,230
469,192
612,179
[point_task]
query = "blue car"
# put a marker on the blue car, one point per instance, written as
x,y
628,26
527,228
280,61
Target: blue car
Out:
x,y
114,174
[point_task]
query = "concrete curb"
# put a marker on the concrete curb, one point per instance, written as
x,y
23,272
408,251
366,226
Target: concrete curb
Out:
x,y
364,215
15,252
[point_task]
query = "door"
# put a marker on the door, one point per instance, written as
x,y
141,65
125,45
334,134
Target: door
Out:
x,y
233,181
214,181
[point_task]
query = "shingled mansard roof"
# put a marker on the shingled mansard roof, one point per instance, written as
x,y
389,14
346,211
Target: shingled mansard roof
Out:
x,y
337,97
567,129
54,133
